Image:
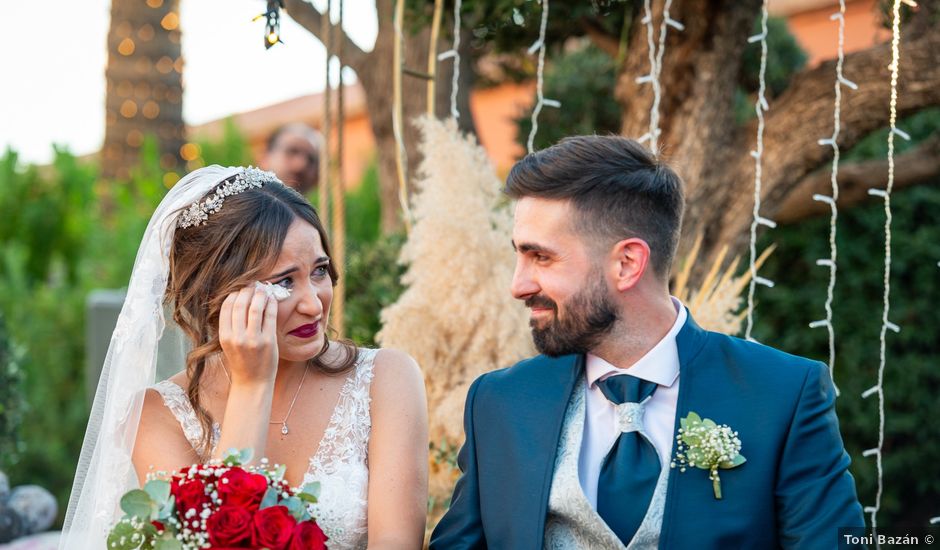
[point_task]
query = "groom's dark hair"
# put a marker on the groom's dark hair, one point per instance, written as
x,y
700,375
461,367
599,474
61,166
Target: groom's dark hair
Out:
x,y
617,187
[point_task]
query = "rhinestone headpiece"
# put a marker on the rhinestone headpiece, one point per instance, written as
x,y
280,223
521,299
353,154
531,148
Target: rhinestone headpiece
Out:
x,y
198,212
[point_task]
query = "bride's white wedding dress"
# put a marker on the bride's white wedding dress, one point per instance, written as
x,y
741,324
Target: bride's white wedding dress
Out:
x,y
340,462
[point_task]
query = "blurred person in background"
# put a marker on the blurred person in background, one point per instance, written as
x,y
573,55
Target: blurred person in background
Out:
x,y
293,153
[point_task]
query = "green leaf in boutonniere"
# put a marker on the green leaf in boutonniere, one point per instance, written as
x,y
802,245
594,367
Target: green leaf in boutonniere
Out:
x,y
701,443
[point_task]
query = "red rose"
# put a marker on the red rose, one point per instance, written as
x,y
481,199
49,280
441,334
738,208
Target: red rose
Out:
x,y
229,526
240,488
189,493
308,536
158,526
272,528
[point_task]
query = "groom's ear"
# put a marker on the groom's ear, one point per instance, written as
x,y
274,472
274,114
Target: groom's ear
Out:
x,y
630,258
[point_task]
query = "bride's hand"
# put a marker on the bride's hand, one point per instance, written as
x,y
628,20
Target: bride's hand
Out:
x,y
247,333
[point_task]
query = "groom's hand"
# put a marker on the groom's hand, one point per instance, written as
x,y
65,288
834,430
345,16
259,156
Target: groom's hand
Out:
x,y
248,336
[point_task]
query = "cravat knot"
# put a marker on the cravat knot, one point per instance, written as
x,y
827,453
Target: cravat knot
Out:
x,y
626,388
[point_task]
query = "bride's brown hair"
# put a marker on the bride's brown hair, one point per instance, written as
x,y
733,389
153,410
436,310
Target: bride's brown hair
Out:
x,y
236,246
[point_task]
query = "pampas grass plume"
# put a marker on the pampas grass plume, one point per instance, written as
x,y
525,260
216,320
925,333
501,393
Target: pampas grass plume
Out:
x,y
456,316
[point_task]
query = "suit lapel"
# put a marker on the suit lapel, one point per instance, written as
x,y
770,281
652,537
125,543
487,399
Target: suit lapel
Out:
x,y
546,398
689,343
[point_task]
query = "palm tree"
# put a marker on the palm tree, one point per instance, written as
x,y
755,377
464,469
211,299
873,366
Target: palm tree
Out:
x,y
144,85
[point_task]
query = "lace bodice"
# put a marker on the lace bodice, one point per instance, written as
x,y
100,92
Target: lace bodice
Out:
x,y
340,463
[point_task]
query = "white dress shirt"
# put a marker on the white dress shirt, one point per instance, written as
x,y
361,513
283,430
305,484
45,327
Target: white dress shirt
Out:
x,y
660,365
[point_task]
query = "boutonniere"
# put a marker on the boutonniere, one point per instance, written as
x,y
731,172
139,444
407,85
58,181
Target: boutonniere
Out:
x,y
707,445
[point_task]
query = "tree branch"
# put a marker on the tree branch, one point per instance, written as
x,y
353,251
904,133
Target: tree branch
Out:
x,y
919,165
803,114
608,43
310,18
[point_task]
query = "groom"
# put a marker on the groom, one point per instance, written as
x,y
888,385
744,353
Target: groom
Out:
x,y
574,448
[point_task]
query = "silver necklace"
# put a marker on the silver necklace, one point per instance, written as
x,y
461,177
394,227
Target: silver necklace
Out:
x,y
283,423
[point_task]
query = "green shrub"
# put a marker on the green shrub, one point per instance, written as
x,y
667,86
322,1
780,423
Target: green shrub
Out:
x,y
912,373
583,81
62,235
912,376
12,404
373,281
231,150
364,209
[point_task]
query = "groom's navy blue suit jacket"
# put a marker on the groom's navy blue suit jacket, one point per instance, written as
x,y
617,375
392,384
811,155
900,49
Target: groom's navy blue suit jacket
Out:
x,y
794,491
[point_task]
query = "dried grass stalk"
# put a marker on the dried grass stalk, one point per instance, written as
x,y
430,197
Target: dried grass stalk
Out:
x,y
715,305
456,316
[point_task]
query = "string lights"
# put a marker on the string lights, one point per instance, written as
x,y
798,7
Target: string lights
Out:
x,y
656,67
541,101
886,325
455,53
272,22
832,200
760,107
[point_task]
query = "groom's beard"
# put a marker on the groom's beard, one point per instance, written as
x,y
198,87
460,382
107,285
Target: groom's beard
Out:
x,y
589,317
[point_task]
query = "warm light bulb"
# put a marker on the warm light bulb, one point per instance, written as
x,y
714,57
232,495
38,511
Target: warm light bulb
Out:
x,y
272,38
170,21
189,151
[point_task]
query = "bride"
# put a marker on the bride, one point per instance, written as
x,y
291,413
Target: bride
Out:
x,y
245,264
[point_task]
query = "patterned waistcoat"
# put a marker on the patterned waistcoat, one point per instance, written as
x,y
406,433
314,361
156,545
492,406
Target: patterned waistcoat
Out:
x,y
572,522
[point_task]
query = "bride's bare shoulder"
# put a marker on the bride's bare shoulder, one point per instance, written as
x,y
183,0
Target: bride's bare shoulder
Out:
x,y
181,379
396,376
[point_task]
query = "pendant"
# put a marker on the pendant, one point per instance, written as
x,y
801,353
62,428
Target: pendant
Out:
x,y
284,429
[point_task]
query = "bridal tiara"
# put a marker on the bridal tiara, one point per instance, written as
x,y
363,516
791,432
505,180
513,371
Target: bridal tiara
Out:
x,y
198,212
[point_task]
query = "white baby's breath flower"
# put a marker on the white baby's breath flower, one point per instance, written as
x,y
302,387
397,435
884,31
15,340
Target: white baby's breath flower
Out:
x,y
706,445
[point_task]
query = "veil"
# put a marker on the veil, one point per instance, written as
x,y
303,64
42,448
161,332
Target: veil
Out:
x,y
105,472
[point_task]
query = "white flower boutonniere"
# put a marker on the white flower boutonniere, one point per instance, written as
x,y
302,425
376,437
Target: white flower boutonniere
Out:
x,y
707,445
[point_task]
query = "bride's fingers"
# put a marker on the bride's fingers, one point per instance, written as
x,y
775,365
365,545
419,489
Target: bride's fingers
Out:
x,y
240,311
225,318
269,324
256,310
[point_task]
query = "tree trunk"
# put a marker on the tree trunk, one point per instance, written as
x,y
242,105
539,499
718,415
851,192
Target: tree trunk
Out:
x,y
701,139
375,70
144,85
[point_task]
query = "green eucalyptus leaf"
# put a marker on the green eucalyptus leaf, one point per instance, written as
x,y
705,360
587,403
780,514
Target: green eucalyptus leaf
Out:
x,y
693,418
312,489
295,506
120,536
709,423
168,509
733,463
137,503
308,498
232,457
269,499
168,542
159,490
245,456
279,472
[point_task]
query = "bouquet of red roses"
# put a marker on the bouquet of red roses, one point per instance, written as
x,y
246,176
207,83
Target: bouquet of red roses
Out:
x,y
220,504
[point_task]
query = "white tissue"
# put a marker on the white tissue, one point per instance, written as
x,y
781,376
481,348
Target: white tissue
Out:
x,y
277,292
